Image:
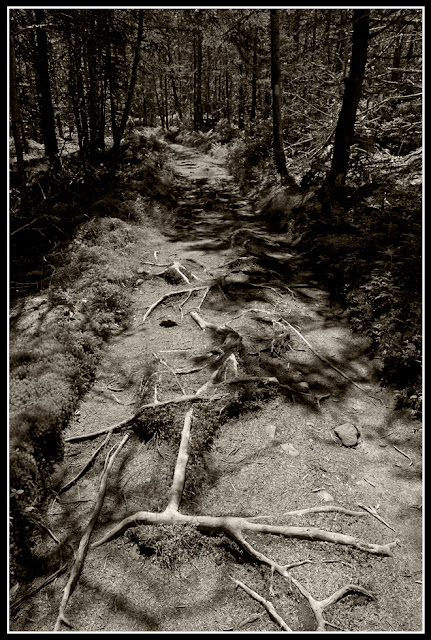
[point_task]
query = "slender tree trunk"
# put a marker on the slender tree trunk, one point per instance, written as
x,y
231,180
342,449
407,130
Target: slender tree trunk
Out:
x,y
227,91
197,84
254,80
16,122
241,105
95,119
352,93
278,146
166,101
43,88
112,84
177,106
396,75
160,111
132,83
75,86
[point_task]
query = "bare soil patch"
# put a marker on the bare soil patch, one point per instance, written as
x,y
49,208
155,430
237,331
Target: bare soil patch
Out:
x,y
273,449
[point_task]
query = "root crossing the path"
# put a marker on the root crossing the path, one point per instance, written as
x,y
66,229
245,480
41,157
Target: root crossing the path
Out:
x,y
226,494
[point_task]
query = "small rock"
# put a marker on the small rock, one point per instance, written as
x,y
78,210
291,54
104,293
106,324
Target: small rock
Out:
x,y
303,387
270,430
326,497
348,433
289,449
139,282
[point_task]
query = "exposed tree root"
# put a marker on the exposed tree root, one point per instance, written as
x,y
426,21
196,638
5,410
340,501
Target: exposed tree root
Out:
x,y
318,606
326,361
234,527
85,468
85,540
266,603
169,295
31,592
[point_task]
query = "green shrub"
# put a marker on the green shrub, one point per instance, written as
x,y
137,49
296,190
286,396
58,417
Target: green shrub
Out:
x,y
24,496
388,314
250,159
39,430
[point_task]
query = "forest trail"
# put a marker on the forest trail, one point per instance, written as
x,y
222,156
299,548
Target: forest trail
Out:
x,y
283,456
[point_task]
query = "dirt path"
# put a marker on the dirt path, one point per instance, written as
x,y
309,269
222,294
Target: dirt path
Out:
x,y
283,456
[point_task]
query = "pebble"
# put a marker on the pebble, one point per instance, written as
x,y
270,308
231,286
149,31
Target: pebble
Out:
x,y
326,497
289,449
348,433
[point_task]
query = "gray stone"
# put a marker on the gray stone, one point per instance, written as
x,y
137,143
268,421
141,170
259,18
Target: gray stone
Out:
x,y
348,433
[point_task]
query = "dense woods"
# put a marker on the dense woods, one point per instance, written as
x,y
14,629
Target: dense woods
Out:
x,y
321,107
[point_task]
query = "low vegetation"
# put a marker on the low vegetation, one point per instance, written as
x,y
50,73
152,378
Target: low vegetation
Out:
x,y
367,249
82,300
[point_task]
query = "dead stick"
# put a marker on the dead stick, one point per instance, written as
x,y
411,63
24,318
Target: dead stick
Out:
x,y
171,370
15,605
404,454
85,540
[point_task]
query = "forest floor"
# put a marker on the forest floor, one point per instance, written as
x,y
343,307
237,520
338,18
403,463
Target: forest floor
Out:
x,y
278,452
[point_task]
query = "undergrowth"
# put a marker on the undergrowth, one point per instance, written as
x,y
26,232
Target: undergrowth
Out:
x,y
366,248
83,288
367,251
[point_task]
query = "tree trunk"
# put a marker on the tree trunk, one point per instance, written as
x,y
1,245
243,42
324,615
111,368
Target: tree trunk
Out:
x,y
177,106
94,103
278,146
197,84
241,103
43,88
254,80
352,93
132,84
227,91
76,86
16,121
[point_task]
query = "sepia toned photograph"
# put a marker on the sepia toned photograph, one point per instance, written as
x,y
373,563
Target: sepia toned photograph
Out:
x,y
215,326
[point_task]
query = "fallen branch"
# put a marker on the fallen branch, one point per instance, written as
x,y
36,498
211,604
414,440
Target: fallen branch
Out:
x,y
85,540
